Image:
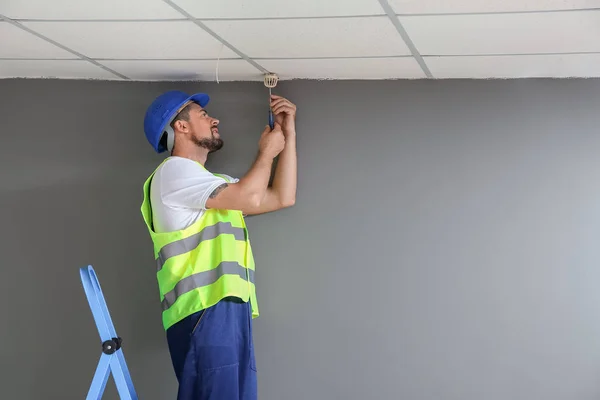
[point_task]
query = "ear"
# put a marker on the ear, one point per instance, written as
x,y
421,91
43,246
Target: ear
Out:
x,y
181,126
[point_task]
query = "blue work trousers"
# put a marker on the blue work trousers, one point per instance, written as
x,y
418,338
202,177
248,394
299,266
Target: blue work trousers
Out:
x,y
213,353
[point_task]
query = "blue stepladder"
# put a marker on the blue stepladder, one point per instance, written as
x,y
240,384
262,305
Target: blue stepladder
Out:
x,y
112,358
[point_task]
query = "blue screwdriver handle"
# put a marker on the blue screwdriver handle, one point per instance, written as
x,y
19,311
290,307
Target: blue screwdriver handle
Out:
x,y
271,121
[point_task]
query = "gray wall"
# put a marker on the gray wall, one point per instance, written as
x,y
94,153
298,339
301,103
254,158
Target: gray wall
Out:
x,y
443,244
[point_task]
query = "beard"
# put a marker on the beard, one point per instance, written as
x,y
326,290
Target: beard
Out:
x,y
212,144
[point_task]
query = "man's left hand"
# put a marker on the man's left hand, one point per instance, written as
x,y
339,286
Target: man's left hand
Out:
x,y
285,114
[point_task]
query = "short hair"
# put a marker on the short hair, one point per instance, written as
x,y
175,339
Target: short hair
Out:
x,y
184,115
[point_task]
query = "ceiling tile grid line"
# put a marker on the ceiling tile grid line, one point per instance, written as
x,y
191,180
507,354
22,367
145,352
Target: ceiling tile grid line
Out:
x,y
192,18
254,58
331,57
525,54
358,16
475,13
404,35
38,59
189,17
474,7
99,20
217,37
81,56
310,58
400,14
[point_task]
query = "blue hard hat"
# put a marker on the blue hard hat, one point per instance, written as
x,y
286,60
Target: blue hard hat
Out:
x,y
162,111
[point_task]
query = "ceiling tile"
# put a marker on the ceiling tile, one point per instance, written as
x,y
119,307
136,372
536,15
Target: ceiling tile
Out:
x,y
186,70
475,6
537,66
23,44
577,31
88,9
346,68
64,69
164,39
338,37
276,8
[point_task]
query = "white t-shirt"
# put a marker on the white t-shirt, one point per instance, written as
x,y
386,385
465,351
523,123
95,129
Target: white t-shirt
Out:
x,y
178,193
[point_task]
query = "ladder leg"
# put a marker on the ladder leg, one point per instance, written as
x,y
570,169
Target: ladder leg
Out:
x,y
121,376
123,363
100,378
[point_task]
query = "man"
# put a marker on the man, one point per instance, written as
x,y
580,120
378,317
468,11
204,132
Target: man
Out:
x,y
205,266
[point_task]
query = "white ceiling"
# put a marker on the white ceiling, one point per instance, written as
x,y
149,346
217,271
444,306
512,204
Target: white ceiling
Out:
x,y
309,39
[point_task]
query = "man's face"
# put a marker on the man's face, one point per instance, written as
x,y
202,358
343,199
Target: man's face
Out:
x,y
204,131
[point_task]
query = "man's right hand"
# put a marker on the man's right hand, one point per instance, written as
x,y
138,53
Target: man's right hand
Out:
x,y
271,142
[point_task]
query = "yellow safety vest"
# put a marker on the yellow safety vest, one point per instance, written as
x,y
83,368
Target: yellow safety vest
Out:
x,y
203,263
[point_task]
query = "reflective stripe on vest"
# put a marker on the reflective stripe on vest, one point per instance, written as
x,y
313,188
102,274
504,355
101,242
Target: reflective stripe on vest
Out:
x,y
187,244
204,279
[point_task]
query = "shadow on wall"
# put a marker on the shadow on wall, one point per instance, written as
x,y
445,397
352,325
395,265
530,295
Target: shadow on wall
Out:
x,y
54,231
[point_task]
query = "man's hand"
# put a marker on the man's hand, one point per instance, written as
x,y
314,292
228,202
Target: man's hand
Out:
x,y
271,141
285,114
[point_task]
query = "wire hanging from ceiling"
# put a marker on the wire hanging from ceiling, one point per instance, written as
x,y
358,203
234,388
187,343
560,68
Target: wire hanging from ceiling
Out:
x,y
218,59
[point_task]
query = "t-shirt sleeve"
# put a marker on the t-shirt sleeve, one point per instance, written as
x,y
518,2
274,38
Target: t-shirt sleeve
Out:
x,y
184,183
230,179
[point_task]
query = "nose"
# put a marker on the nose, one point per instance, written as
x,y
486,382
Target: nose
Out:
x,y
215,122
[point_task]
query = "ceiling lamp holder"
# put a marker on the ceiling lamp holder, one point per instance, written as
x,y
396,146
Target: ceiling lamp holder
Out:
x,y
271,80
